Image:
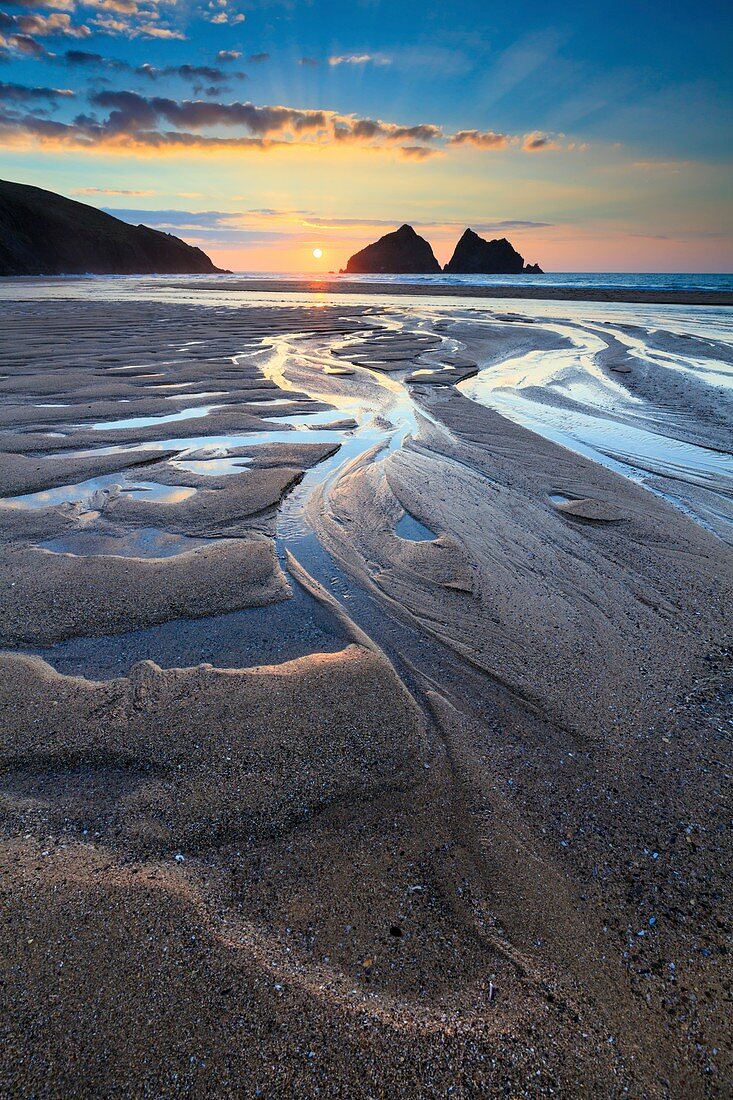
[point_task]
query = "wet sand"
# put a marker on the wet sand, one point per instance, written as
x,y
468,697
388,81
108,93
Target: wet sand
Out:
x,y
456,290
364,734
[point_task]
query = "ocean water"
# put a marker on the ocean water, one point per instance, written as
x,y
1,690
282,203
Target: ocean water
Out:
x,y
609,280
603,280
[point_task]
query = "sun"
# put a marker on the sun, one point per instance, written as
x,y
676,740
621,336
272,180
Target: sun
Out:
x,y
317,253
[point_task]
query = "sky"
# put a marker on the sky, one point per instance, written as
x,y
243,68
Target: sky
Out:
x,y
595,136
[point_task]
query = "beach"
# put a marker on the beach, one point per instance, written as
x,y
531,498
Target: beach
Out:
x,y
365,689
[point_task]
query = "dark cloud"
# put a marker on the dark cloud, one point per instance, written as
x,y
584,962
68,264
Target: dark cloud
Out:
x,y
129,119
418,152
194,73
84,57
25,44
423,132
130,111
258,58
87,133
482,139
21,93
537,141
366,129
310,62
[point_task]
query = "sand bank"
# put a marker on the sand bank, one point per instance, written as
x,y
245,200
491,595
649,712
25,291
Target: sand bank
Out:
x,y
443,290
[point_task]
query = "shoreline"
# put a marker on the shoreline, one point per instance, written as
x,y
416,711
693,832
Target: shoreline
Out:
x,y
252,285
445,290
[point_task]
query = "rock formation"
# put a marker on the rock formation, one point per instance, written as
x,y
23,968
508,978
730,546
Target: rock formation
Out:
x,y
42,233
398,253
475,256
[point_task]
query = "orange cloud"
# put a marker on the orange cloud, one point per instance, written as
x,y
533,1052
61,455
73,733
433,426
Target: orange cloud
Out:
x,y
57,23
537,142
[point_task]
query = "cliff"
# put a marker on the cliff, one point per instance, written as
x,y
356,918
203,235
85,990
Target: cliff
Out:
x,y
42,233
398,253
475,256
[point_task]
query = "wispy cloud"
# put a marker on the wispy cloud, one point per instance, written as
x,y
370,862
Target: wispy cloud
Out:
x,y
419,152
357,59
111,191
193,73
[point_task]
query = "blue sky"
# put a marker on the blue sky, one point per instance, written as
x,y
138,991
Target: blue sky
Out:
x,y
601,133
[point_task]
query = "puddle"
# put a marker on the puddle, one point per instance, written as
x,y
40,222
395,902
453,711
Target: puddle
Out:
x,y
269,402
171,386
147,542
84,492
52,405
188,396
241,639
213,467
412,530
150,421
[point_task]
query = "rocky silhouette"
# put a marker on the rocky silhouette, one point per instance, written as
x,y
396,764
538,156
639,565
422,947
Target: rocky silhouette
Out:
x,y
474,255
42,233
400,253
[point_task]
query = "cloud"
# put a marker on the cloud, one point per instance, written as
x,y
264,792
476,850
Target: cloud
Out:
x,y
537,142
229,55
512,223
187,72
309,62
534,142
482,139
216,12
24,44
47,26
418,152
130,111
21,93
194,73
127,119
87,135
368,129
57,5
109,25
110,191
258,58
357,59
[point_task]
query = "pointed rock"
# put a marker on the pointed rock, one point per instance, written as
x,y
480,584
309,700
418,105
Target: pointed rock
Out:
x,y
400,253
475,256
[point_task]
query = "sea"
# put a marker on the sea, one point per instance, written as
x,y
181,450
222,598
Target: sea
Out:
x,y
601,280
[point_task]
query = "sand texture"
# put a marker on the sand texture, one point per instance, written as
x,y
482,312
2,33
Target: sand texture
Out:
x,y
364,696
